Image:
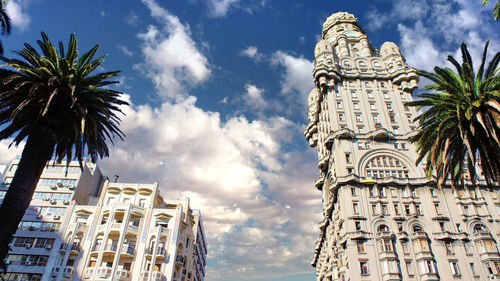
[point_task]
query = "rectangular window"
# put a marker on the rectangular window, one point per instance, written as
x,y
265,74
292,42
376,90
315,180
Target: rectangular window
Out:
x,y
376,120
473,269
396,209
372,106
357,225
371,191
374,209
410,269
455,271
466,210
361,246
467,248
407,209
355,105
348,157
382,192
358,118
404,245
449,248
369,94
384,209
355,208
339,104
386,95
341,117
385,245
363,267
353,191
418,209
437,209
354,94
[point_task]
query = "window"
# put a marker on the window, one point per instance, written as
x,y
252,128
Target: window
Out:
x,y
418,209
369,94
441,226
357,225
363,265
421,245
374,209
361,246
353,191
413,193
396,209
372,106
455,271
355,105
404,245
417,228
354,94
376,120
358,118
367,145
386,95
355,208
384,209
348,157
466,210
480,228
385,245
341,117
473,269
459,229
339,104
371,191
427,267
449,247
393,120
382,192
467,248
437,208
407,209
410,269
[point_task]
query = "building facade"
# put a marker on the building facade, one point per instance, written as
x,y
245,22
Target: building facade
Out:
x,y
383,218
39,233
80,226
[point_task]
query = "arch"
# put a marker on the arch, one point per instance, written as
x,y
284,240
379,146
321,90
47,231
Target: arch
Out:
x,y
383,228
417,228
480,228
384,163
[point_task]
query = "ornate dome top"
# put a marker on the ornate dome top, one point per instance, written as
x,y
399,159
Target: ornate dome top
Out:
x,y
337,18
389,48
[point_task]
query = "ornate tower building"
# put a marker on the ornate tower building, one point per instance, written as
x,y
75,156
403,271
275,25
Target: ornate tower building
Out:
x,y
383,218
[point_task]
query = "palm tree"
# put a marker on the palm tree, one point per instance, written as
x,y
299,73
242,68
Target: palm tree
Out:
x,y
461,123
63,110
4,23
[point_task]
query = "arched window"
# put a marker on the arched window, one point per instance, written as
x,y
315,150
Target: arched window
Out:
x,y
362,64
385,166
383,228
417,228
480,228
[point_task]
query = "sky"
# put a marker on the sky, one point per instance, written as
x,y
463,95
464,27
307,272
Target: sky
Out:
x,y
218,92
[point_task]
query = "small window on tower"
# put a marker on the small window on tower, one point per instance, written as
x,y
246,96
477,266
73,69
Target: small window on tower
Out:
x,y
348,157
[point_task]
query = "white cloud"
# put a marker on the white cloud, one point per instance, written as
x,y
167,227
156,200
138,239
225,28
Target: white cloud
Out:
x,y
430,30
240,176
220,8
172,59
132,19
18,17
253,98
125,50
252,52
298,73
7,153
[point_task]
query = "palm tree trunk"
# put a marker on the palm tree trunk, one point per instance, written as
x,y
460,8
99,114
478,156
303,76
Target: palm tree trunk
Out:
x,y
36,153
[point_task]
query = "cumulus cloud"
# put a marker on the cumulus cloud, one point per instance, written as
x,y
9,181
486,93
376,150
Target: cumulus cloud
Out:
x,y
18,17
298,72
237,172
219,8
172,59
7,153
253,97
430,30
252,52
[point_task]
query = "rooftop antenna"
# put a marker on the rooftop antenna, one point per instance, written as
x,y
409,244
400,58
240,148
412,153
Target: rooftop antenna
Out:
x,y
116,178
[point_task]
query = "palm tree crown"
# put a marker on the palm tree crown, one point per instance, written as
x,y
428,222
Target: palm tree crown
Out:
x,y
5,23
63,110
460,126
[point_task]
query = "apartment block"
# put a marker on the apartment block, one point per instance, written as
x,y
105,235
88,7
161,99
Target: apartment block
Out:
x,y
59,189
383,218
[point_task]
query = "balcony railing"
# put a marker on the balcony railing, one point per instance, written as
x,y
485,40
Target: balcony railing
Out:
x,y
103,272
179,259
122,274
158,276
111,248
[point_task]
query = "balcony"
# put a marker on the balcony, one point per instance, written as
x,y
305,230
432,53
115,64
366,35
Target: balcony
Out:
x,y
55,271
158,276
116,226
133,229
64,247
482,235
129,251
68,272
75,248
88,272
160,252
122,274
144,275
103,272
96,248
179,259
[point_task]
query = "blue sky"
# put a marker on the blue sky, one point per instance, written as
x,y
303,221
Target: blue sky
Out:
x,y
218,91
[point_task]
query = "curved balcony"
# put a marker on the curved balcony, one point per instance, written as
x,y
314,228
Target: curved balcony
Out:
x,y
158,276
419,234
128,251
75,248
161,253
68,272
88,272
132,229
55,271
385,234
179,259
103,272
122,274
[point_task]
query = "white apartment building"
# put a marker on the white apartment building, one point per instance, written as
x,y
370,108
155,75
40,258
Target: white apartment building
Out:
x,y
132,234
82,227
383,219
39,233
